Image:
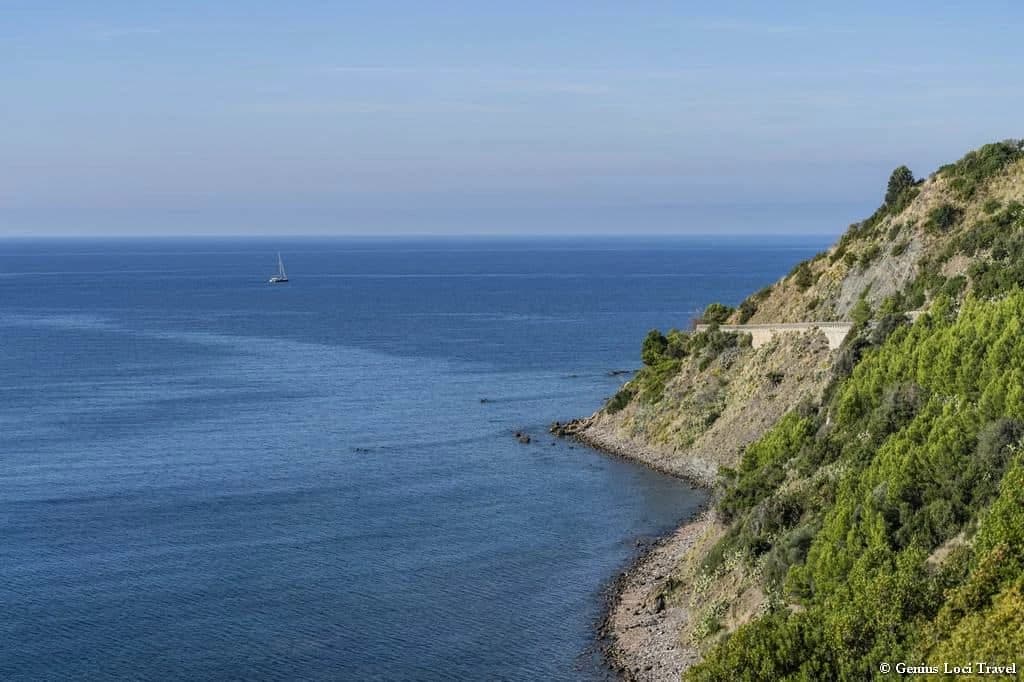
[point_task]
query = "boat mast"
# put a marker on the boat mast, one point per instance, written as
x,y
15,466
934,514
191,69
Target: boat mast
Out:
x,y
280,267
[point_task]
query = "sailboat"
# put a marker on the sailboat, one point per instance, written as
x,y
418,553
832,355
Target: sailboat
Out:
x,y
281,277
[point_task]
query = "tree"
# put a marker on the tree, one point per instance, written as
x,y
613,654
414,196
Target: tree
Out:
x,y
802,276
653,350
716,313
901,180
860,313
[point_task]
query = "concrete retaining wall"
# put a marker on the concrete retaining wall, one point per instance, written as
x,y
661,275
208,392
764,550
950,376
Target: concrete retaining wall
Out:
x,y
761,334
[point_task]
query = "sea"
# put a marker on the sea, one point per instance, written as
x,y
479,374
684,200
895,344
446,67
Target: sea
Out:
x,y
207,477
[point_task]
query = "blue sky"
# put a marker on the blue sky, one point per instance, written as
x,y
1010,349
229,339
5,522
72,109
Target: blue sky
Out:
x,y
485,117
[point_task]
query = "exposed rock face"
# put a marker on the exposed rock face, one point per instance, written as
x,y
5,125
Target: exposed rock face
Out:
x,y
876,262
706,417
699,414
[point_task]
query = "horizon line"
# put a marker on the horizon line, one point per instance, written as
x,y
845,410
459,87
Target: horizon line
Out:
x,y
410,235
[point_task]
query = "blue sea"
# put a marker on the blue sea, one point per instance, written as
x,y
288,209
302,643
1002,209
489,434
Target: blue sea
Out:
x,y
203,476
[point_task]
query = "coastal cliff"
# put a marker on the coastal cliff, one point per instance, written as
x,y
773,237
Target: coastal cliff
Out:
x,y
869,500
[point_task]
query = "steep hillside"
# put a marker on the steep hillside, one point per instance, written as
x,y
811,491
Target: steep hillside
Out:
x,y
868,503
713,406
918,243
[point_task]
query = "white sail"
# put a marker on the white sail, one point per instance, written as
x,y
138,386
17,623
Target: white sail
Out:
x,y
281,275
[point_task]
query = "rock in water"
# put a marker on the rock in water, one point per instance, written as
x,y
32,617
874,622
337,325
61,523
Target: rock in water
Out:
x,y
568,428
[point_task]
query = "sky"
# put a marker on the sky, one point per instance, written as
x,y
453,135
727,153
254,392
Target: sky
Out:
x,y
527,117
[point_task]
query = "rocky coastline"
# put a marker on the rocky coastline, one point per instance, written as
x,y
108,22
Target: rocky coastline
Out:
x,y
638,632
600,435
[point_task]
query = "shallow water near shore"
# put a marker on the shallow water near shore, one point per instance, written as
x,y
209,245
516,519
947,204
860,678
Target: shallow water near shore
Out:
x,y
204,476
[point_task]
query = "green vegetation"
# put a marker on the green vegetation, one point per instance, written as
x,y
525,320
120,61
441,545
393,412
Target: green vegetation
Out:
x,y
622,398
942,218
969,174
885,522
747,309
899,248
844,505
749,305
861,313
899,182
900,191
716,313
802,276
869,254
654,348
995,245
663,355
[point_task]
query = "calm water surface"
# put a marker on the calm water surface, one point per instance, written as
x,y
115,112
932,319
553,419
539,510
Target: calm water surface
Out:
x,y
206,477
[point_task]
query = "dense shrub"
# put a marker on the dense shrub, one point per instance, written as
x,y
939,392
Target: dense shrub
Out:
x,y
651,380
678,344
942,218
663,355
860,313
924,439
747,309
802,276
622,398
653,350
869,254
716,313
760,470
969,174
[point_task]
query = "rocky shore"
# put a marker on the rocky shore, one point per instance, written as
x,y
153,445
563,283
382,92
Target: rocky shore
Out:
x,y
601,434
640,629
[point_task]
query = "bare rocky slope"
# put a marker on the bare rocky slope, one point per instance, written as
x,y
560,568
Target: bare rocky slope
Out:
x,y
706,416
882,256
703,398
